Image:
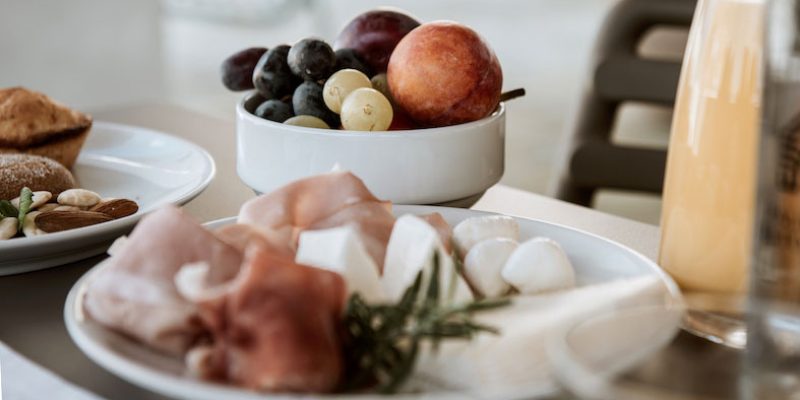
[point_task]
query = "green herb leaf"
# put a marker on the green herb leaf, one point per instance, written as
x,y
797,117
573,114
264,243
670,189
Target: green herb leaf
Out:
x,y
7,209
25,201
382,341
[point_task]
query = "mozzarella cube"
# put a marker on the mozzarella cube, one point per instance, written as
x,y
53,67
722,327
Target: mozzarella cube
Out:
x,y
471,231
539,265
341,250
484,263
411,248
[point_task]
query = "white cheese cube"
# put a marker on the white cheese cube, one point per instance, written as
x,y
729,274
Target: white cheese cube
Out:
x,y
341,250
410,250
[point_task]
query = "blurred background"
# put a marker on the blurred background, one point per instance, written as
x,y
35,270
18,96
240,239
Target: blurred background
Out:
x,y
100,54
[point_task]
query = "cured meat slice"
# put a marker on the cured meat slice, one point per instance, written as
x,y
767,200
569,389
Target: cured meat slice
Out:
x,y
300,204
275,327
134,293
240,236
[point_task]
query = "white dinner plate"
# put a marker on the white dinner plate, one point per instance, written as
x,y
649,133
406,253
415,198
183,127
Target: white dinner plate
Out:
x,y
122,161
595,259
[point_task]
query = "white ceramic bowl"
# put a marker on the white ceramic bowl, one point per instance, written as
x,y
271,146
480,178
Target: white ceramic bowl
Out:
x,y
422,166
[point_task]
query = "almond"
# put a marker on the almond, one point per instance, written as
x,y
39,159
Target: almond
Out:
x,y
56,221
48,207
37,199
8,227
116,208
78,198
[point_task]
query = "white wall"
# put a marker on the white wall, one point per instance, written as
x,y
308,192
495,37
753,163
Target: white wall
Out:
x,y
89,53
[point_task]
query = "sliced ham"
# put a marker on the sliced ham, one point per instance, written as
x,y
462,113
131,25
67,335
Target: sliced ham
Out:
x,y
275,327
322,202
240,236
302,203
134,292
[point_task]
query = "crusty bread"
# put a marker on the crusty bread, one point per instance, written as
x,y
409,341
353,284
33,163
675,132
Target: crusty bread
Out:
x,y
35,172
32,123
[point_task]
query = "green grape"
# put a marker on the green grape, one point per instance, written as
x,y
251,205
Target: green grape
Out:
x,y
366,109
308,121
340,84
381,84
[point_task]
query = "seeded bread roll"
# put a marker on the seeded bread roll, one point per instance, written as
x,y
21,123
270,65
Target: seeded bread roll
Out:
x,y
35,172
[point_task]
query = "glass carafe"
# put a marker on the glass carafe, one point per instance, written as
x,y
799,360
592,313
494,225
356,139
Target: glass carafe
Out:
x,y
709,190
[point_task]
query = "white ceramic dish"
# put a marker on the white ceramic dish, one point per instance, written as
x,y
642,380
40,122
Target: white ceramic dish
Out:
x,y
423,166
150,167
596,260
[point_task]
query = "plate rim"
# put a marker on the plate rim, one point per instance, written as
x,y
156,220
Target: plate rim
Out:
x,y
121,223
140,375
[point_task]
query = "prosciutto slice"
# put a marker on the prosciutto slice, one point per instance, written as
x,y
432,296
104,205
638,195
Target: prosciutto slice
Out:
x,y
275,327
135,294
240,236
304,202
321,202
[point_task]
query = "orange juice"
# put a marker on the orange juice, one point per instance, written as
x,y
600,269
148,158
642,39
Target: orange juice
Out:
x,y
709,190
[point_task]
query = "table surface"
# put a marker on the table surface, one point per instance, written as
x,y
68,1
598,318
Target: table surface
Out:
x,y
31,304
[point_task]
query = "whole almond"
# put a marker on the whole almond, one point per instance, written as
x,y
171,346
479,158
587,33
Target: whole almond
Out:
x,y
48,207
116,208
37,199
78,198
29,227
56,221
8,227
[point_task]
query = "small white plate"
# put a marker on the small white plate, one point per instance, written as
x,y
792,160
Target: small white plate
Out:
x,y
149,167
596,260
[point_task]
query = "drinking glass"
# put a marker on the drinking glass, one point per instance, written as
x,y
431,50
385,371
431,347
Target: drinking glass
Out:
x,y
772,361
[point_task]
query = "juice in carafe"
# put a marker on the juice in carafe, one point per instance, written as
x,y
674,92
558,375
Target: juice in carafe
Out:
x,y
709,190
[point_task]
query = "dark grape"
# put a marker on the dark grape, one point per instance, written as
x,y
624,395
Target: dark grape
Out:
x,y
274,110
237,70
349,58
273,85
307,100
312,59
275,60
272,76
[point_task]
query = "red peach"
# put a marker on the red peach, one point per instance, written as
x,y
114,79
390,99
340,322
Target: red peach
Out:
x,y
443,73
401,121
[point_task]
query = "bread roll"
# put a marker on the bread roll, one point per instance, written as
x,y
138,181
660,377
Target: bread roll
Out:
x,y
35,172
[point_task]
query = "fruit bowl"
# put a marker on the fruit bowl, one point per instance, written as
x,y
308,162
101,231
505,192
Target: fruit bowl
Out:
x,y
419,166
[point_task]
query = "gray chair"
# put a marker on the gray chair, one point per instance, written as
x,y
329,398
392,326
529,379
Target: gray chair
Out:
x,y
619,74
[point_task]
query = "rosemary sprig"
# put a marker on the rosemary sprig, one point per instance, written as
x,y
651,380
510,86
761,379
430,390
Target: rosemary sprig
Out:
x,y
383,341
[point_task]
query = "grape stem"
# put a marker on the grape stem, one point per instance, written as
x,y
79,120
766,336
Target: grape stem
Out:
x,y
512,94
